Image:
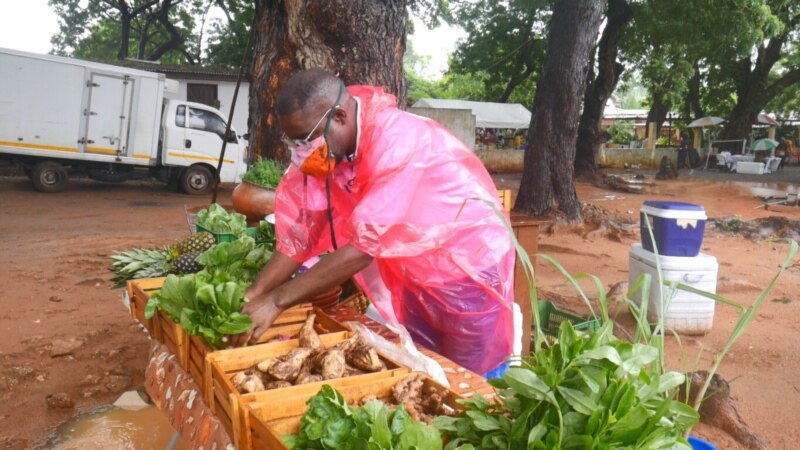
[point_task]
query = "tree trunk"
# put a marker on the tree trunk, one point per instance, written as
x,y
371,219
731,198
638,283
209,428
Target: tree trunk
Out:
x,y
590,133
693,107
124,30
547,175
657,113
362,40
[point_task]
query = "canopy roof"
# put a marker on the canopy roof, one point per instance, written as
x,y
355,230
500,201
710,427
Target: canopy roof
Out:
x,y
487,114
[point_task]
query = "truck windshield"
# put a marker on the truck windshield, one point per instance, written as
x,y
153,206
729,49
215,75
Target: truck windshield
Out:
x,y
200,119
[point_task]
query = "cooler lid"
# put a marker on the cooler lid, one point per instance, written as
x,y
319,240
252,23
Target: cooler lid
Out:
x,y
684,263
674,210
659,204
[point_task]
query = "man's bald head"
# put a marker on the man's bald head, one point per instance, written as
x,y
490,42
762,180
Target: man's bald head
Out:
x,y
307,90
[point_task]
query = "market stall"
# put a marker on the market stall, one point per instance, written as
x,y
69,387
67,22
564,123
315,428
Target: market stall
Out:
x,y
326,371
202,403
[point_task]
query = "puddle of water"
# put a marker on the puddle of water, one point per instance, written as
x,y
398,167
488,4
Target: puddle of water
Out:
x,y
115,428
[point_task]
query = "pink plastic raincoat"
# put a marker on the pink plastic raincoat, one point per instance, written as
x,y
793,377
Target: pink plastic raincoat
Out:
x,y
415,199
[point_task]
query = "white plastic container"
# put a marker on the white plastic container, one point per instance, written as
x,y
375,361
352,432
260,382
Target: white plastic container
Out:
x,y
686,312
756,168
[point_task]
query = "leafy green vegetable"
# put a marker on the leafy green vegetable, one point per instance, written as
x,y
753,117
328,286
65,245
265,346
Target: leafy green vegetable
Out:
x,y
217,220
585,391
266,234
330,423
264,172
207,303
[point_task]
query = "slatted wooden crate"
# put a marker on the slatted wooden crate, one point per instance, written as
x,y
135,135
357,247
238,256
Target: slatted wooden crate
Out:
x,y
290,323
139,292
173,336
273,416
227,403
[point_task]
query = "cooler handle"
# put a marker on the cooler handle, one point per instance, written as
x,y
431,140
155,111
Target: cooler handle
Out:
x,y
689,278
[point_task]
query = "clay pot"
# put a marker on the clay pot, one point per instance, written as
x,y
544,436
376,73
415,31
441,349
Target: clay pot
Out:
x,y
328,299
253,201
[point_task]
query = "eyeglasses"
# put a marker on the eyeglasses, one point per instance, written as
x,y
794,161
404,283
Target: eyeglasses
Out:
x,y
293,143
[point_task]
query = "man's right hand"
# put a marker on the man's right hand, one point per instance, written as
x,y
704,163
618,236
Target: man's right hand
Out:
x,y
263,313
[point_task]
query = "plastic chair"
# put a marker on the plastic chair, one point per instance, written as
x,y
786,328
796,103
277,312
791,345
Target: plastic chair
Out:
x,y
725,161
773,165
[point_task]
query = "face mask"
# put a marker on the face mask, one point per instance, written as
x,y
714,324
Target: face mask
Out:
x,y
319,162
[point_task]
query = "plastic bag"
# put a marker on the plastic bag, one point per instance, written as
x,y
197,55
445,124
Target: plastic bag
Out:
x,y
405,352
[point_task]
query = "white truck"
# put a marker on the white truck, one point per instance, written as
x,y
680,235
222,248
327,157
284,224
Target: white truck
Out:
x,y
61,115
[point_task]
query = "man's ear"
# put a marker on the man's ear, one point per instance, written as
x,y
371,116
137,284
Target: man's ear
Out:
x,y
339,114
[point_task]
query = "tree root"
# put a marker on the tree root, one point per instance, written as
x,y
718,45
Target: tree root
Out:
x,y
719,409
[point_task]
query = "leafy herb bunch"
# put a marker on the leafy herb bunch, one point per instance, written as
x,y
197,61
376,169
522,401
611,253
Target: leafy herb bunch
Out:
x,y
264,172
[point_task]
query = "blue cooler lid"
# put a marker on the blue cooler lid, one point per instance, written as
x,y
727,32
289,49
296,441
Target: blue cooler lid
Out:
x,y
674,210
675,206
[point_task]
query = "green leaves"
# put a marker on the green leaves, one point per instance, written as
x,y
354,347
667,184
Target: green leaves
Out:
x,y
207,303
586,391
330,423
264,172
217,220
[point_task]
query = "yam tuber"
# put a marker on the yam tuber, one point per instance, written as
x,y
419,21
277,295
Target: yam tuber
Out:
x,y
288,367
308,337
332,364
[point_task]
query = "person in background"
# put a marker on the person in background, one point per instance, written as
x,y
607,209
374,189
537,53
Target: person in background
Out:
x,y
403,207
683,152
517,141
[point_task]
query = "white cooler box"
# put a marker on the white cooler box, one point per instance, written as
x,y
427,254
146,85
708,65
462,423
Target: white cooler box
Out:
x,y
756,168
686,313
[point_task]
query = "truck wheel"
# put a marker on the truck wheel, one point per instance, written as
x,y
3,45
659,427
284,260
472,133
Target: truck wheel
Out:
x,y
49,176
197,180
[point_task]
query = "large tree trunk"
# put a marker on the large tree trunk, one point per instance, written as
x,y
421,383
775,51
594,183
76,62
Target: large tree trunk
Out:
x,y
590,133
124,30
657,113
693,108
548,171
362,40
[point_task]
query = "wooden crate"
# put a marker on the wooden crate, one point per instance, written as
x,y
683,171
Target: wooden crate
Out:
x,y
198,348
227,403
173,336
273,416
139,292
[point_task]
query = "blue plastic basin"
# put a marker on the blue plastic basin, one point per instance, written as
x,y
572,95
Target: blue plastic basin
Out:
x,y
699,444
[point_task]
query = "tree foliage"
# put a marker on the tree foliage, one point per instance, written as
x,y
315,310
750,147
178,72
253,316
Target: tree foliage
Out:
x,y
506,42
157,30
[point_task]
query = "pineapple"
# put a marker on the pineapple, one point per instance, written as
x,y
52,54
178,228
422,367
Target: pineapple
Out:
x,y
196,243
186,263
141,263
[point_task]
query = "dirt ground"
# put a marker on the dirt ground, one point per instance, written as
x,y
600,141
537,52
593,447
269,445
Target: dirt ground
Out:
x,y
63,329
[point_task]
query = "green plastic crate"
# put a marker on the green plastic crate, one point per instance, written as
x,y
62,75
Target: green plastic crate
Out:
x,y
552,317
228,237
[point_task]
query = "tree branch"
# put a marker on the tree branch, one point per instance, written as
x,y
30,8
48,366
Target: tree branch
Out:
x,y
141,8
786,81
174,37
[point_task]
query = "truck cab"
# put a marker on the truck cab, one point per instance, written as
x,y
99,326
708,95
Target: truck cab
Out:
x,y
193,135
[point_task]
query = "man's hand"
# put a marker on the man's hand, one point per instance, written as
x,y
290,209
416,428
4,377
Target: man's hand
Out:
x,y
263,313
